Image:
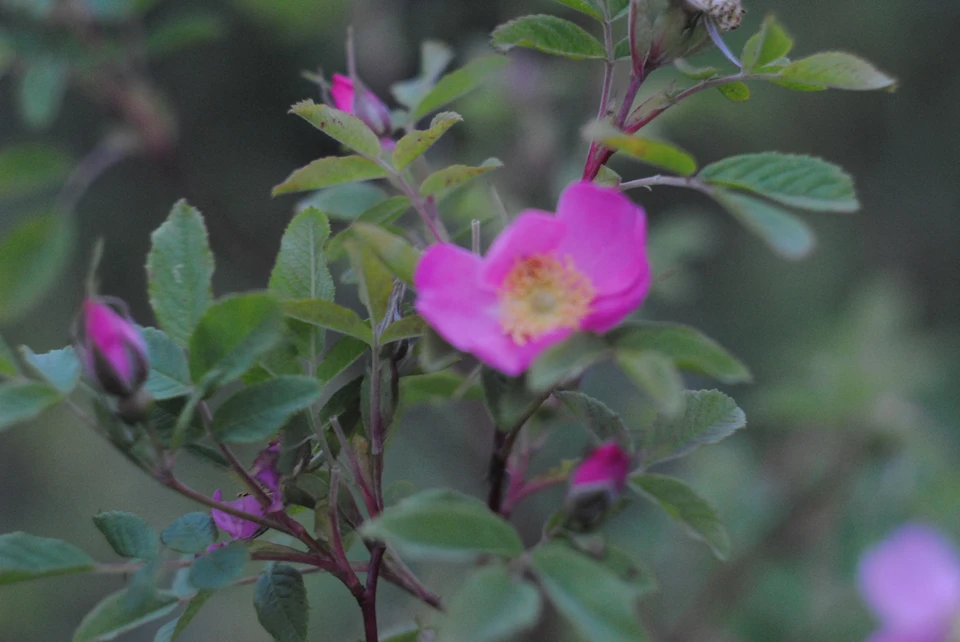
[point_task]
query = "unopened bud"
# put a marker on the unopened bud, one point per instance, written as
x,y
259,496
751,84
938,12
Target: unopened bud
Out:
x,y
597,482
136,407
682,28
363,104
113,351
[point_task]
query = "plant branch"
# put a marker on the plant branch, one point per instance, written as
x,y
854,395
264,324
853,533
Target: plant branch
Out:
x,y
502,447
671,181
173,483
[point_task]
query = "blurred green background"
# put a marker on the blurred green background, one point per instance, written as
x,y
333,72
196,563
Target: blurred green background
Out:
x,y
852,422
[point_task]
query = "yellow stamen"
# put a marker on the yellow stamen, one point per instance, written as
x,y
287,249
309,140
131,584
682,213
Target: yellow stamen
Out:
x,y
542,294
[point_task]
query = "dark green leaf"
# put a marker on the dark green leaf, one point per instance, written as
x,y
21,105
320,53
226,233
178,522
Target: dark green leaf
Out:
x,y
60,368
179,32
42,87
117,614
397,255
374,281
414,144
31,167
684,505
491,606
636,573
345,128
406,328
566,360
301,269
598,604
548,34
326,314
333,170
786,234
179,269
219,567
456,175
602,422
794,180
738,91
685,346
33,254
259,411
766,46
655,375
435,354
709,416
24,400
169,372
588,7
128,534
27,557
459,83
508,399
444,525
280,599
837,70
345,400
192,534
621,51
341,356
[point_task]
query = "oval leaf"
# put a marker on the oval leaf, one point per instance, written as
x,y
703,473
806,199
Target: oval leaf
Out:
x,y
192,534
738,92
169,372
301,268
27,557
219,567
602,422
333,170
709,416
838,70
491,606
259,411
459,83
397,254
456,175
649,151
655,375
326,314
786,234
280,599
548,34
588,7
128,534
413,145
566,360
766,46
344,128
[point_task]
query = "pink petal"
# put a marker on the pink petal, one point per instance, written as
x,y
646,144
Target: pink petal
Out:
x,y
606,236
342,93
608,311
938,634
607,464
532,232
107,333
236,527
911,580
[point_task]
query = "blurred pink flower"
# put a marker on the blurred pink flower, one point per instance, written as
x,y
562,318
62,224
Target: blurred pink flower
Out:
x,y
364,105
597,482
113,352
236,527
911,581
542,279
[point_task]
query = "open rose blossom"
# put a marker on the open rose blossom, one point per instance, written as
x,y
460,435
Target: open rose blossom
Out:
x,y
542,279
113,351
364,105
911,581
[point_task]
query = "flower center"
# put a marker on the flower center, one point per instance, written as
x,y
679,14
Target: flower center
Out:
x,y
542,294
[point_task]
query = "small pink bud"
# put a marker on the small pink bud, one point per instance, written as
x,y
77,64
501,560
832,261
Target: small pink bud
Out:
x,y
363,104
597,482
113,351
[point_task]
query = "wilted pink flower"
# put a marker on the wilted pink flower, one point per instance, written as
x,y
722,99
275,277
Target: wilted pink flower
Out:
x,y
597,481
911,581
543,278
236,527
113,351
264,470
364,105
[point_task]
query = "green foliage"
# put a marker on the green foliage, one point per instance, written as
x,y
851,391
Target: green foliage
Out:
x,y
60,368
27,557
219,567
169,373
119,613
598,604
791,179
548,34
694,73
589,7
280,599
837,70
709,416
259,411
656,375
458,84
175,33
301,268
24,400
738,91
766,46
685,506
374,281
128,534
567,360
333,170
31,167
179,272
444,525
456,175
341,356
344,128
490,606
193,607
508,399
33,253
42,87
405,328
326,314
434,58
652,152
343,202
399,257
416,143
786,234
602,422
8,363
192,533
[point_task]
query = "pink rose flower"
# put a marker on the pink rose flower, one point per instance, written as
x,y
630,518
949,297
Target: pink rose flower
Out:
x,y
364,105
597,482
542,279
113,352
235,527
911,581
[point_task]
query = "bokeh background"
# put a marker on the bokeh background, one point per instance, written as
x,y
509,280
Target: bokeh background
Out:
x,y
853,419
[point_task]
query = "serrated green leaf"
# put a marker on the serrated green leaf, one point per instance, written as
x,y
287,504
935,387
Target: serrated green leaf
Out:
x,y
795,180
259,411
655,375
444,525
649,151
179,272
341,356
344,128
598,604
31,167
685,346
837,70
458,83
219,567
399,257
26,557
490,606
766,46
280,599
193,607
566,360
416,143
709,416
24,400
738,91
33,254
169,372
192,533
41,91
175,33
687,507
326,314
602,422
301,268
343,202
8,363
118,614
333,170
406,328
60,368
786,234
456,175
128,534
232,335
588,7
548,34
508,399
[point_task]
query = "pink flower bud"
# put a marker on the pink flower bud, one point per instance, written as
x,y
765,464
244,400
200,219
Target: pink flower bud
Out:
x,y
362,104
113,351
597,482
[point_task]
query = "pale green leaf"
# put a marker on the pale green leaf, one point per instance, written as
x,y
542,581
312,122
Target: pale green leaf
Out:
x,y
837,70
490,606
259,411
343,202
786,234
456,175
602,422
548,34
8,363
33,254
459,83
566,360
414,144
27,557
341,356
589,7
397,254
766,46
193,607
656,376
31,167
24,400
695,73
374,281
333,170
344,128
738,91
649,151
406,328
60,368
118,613
434,58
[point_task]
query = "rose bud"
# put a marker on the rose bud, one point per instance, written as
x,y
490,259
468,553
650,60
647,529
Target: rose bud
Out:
x,y
363,104
597,482
113,351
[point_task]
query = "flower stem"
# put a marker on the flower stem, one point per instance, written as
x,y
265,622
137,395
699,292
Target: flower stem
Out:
x,y
502,447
